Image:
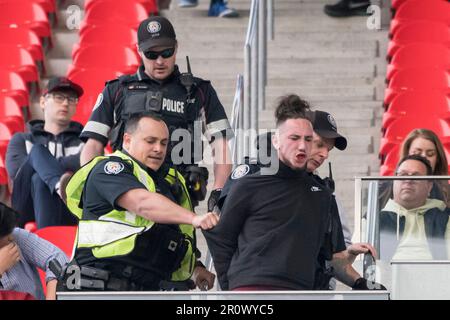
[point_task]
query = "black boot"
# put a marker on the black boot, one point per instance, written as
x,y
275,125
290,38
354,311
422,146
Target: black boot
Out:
x,y
347,8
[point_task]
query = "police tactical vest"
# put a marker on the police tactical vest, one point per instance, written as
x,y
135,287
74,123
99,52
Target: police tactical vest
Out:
x,y
178,107
114,234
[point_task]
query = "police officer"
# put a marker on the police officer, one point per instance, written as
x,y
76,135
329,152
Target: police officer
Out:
x,y
325,138
132,235
185,102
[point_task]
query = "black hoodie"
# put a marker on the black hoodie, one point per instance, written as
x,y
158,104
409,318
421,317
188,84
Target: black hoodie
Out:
x,y
271,230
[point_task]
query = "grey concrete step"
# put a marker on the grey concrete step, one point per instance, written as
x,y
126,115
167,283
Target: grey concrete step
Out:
x,y
63,42
58,66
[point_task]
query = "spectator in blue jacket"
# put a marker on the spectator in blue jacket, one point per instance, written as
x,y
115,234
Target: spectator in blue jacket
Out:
x,y
21,253
39,162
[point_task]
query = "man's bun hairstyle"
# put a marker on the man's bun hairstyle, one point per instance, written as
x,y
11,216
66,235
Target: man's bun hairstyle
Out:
x,y
292,107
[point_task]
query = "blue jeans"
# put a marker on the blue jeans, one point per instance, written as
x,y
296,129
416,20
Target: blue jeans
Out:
x,y
34,195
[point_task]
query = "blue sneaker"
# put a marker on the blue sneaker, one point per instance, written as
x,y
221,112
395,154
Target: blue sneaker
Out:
x,y
220,9
187,3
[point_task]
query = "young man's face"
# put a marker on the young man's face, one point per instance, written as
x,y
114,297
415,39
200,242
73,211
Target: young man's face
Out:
x,y
293,142
148,143
320,150
59,106
159,68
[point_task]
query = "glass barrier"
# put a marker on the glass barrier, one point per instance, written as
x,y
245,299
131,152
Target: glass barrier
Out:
x,y
406,218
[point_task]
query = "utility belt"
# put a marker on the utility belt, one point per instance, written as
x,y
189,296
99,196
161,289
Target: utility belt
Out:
x,y
119,278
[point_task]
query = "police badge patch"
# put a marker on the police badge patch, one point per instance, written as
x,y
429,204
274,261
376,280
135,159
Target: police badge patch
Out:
x,y
240,171
98,102
113,167
153,26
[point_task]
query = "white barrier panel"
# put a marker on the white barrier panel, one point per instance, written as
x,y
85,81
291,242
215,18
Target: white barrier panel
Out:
x,y
222,295
420,280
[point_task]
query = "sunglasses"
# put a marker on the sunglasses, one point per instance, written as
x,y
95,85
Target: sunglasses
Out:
x,y
153,55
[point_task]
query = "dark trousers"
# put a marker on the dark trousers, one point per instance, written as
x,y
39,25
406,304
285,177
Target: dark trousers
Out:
x,y
34,195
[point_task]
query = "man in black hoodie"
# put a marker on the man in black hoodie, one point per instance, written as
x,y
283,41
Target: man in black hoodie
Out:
x,y
41,161
273,227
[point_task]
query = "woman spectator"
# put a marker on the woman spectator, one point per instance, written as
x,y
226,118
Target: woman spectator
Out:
x,y
426,143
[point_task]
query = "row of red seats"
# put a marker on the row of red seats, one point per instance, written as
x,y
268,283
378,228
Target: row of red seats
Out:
x,y
110,29
25,30
417,77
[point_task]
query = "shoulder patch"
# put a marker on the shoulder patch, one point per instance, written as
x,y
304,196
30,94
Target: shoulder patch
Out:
x,y
98,102
240,171
113,167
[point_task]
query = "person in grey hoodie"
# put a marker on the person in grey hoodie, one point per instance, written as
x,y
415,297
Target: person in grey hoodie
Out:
x,y
413,226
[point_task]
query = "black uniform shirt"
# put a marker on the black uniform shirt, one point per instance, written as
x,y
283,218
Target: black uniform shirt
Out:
x,y
212,114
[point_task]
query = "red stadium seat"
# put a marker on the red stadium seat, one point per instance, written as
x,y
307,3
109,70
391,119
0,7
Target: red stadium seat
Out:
x,y
122,59
124,36
15,295
19,60
31,226
417,79
124,13
420,55
48,6
395,4
437,11
25,14
11,114
13,85
61,236
419,32
92,81
418,104
150,5
5,136
23,38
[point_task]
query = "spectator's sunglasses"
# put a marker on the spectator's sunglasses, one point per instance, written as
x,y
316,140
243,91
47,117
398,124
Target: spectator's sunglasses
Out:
x,y
153,55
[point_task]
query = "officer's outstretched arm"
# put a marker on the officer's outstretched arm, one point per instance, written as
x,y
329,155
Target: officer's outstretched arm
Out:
x,y
157,208
91,149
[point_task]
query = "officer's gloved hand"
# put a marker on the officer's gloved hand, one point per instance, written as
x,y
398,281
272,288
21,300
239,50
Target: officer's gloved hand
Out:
x,y
213,199
364,284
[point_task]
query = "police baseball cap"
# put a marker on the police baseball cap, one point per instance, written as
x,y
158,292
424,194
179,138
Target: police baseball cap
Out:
x,y
156,31
57,83
325,126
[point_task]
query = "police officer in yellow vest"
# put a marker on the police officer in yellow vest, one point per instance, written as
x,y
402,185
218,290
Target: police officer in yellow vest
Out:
x,y
132,235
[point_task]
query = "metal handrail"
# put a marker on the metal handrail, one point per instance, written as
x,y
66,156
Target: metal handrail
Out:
x,y
255,72
235,117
